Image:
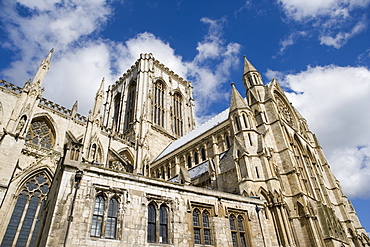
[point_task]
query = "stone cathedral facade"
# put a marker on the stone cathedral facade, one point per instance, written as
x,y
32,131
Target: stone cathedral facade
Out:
x,y
138,172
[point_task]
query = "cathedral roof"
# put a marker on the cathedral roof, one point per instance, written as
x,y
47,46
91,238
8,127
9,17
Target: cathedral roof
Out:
x,y
216,120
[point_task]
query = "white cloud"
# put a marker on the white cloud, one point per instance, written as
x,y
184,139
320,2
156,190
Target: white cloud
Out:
x,y
336,103
341,38
335,21
290,40
300,9
81,60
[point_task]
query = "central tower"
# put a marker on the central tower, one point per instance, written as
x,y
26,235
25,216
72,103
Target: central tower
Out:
x,y
149,100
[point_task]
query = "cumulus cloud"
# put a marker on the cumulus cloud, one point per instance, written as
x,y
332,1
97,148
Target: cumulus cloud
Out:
x,y
334,21
336,102
81,59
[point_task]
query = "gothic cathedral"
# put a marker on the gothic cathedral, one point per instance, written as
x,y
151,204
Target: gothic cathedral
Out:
x,y
138,172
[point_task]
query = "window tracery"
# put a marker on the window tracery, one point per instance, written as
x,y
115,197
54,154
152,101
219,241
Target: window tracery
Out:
x,y
40,133
284,110
24,222
201,226
237,230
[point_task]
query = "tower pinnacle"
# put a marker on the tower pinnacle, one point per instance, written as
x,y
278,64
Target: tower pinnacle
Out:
x,y
248,67
236,101
42,70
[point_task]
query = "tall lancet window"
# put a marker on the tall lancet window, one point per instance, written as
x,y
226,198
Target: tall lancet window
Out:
x,y
158,111
130,105
25,219
116,116
177,114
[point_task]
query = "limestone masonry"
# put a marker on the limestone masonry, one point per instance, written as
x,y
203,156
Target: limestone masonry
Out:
x,y
138,172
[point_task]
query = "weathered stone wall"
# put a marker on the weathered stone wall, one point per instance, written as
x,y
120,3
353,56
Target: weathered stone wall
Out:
x,y
135,193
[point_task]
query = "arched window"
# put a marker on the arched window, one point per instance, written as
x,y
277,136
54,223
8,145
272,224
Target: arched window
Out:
x,y
228,142
98,216
245,121
40,133
158,227
237,123
206,227
201,227
158,111
130,105
163,225
151,237
111,225
196,158
203,154
116,113
24,222
237,230
95,154
197,227
189,161
177,114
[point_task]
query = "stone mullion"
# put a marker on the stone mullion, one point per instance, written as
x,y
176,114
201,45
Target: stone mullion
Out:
x,y
288,232
277,223
281,224
34,221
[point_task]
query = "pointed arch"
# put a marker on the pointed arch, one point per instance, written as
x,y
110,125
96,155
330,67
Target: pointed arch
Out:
x,y
96,151
32,191
159,102
41,132
130,105
178,120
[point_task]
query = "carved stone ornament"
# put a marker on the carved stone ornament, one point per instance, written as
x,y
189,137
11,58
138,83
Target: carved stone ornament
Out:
x,y
284,110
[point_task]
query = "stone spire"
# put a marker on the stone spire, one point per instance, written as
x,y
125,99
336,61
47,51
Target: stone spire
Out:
x,y
236,101
74,109
42,70
248,67
99,99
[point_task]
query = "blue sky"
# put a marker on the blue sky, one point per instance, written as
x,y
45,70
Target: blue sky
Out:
x,y
318,50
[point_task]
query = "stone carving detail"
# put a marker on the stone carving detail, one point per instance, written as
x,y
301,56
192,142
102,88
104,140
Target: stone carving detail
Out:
x,y
284,110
